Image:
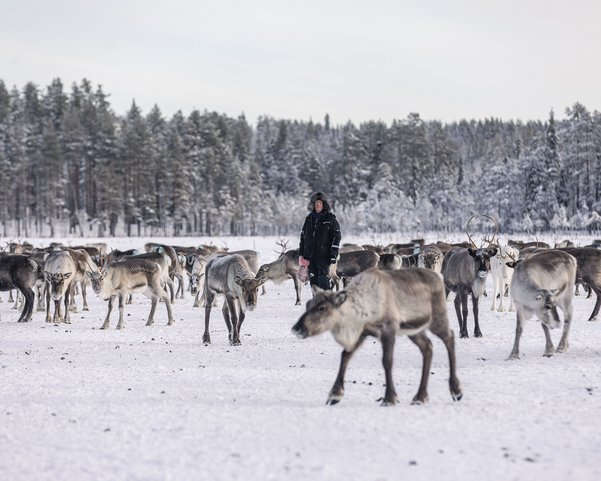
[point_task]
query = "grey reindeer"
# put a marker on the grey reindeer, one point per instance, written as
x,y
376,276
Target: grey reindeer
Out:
x,y
384,304
231,276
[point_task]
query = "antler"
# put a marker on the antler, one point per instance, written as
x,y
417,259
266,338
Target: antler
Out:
x,y
492,241
468,233
283,244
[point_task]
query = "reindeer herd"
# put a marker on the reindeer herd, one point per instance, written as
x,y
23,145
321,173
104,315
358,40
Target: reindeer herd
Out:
x,y
379,291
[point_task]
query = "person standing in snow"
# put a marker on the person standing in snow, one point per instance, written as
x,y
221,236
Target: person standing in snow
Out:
x,y
319,241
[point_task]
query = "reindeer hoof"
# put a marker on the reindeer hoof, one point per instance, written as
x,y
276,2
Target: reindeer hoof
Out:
x,y
418,400
477,334
457,396
332,401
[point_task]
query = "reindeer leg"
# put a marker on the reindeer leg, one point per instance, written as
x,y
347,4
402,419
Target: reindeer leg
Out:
x,y
464,312
519,327
387,340
567,322
448,338
105,325
121,324
197,300
425,346
297,288
549,348
235,340
206,337
40,294
47,294
68,297
84,295
226,318
597,304
28,307
171,289
170,319
477,331
457,303
494,295
58,315
153,307
337,392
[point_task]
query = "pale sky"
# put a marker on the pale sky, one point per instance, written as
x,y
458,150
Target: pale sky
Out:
x,y
356,60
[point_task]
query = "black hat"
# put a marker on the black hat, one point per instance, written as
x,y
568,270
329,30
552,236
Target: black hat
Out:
x,y
319,196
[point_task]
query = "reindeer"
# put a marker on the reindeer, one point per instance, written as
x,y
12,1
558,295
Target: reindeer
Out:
x,y
430,257
519,245
230,275
20,272
350,248
285,267
197,278
384,304
350,264
501,275
464,271
541,283
62,270
390,262
161,258
588,272
175,270
128,276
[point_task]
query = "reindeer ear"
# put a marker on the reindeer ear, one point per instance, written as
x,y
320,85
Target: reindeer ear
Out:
x,y
492,252
316,289
471,252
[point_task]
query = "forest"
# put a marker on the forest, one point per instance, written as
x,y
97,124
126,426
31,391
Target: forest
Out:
x,y
72,166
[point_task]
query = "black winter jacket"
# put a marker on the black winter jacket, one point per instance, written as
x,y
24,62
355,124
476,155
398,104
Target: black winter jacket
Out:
x,y
320,238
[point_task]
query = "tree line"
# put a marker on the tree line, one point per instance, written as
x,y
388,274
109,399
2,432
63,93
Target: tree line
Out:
x,y
70,164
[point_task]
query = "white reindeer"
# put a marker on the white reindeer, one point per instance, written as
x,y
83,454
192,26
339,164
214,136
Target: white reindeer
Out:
x,y
541,283
501,275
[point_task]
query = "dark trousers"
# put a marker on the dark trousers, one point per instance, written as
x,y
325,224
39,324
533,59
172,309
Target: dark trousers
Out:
x,y
318,273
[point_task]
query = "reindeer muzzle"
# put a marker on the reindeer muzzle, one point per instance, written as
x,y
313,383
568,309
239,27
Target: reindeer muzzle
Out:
x,y
300,330
482,274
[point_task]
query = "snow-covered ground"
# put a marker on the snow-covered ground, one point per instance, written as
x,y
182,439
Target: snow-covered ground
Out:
x,y
154,403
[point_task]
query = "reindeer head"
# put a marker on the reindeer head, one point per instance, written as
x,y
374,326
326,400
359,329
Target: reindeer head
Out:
x,y
195,281
482,259
547,311
58,283
248,299
97,279
322,313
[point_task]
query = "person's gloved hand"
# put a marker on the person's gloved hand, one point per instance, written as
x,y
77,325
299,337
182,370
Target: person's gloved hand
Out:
x,y
302,261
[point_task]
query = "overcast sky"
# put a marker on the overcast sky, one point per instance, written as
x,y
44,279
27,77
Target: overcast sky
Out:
x,y
356,60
